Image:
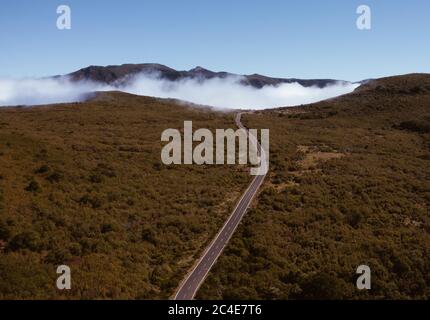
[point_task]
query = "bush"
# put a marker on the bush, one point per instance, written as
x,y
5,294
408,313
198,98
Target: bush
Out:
x,y
96,178
321,286
58,256
4,231
354,218
106,170
33,186
54,177
149,235
25,240
42,169
415,126
93,201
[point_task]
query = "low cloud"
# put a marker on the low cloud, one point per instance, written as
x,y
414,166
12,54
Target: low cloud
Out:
x,y
222,93
44,91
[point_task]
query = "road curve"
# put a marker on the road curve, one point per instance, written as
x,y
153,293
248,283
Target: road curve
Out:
x,y
188,288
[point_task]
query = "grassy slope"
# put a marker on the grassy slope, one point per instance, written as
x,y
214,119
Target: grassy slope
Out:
x,y
365,201
83,185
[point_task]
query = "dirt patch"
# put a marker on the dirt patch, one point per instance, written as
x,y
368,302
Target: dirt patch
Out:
x,y
312,155
279,186
409,222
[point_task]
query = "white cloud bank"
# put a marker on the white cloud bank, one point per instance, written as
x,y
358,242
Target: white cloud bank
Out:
x,y
222,93
44,91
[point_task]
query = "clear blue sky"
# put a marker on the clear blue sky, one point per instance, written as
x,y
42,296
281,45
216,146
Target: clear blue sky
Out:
x,y
285,38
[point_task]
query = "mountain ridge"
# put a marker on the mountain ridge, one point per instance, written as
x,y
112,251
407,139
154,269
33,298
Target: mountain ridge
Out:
x,y
118,74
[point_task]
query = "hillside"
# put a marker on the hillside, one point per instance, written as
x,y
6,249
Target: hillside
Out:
x,y
82,184
349,185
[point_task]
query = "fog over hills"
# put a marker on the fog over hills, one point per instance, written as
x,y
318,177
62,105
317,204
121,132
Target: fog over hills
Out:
x,y
198,85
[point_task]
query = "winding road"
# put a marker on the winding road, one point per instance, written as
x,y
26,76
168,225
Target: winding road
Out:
x,y
188,288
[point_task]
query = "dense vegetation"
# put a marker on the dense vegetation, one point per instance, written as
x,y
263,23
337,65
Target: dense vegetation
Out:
x,y
349,185
83,185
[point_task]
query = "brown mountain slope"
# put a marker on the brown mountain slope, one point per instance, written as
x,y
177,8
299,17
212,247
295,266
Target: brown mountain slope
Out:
x,y
349,185
83,185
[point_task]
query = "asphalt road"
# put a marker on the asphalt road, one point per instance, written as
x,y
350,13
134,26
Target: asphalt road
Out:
x,y
195,278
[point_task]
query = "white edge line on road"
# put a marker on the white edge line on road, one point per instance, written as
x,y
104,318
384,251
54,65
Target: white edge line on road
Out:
x,y
228,240
237,119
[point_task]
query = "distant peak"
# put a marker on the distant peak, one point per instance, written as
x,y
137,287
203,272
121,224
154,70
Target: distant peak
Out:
x,y
199,69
